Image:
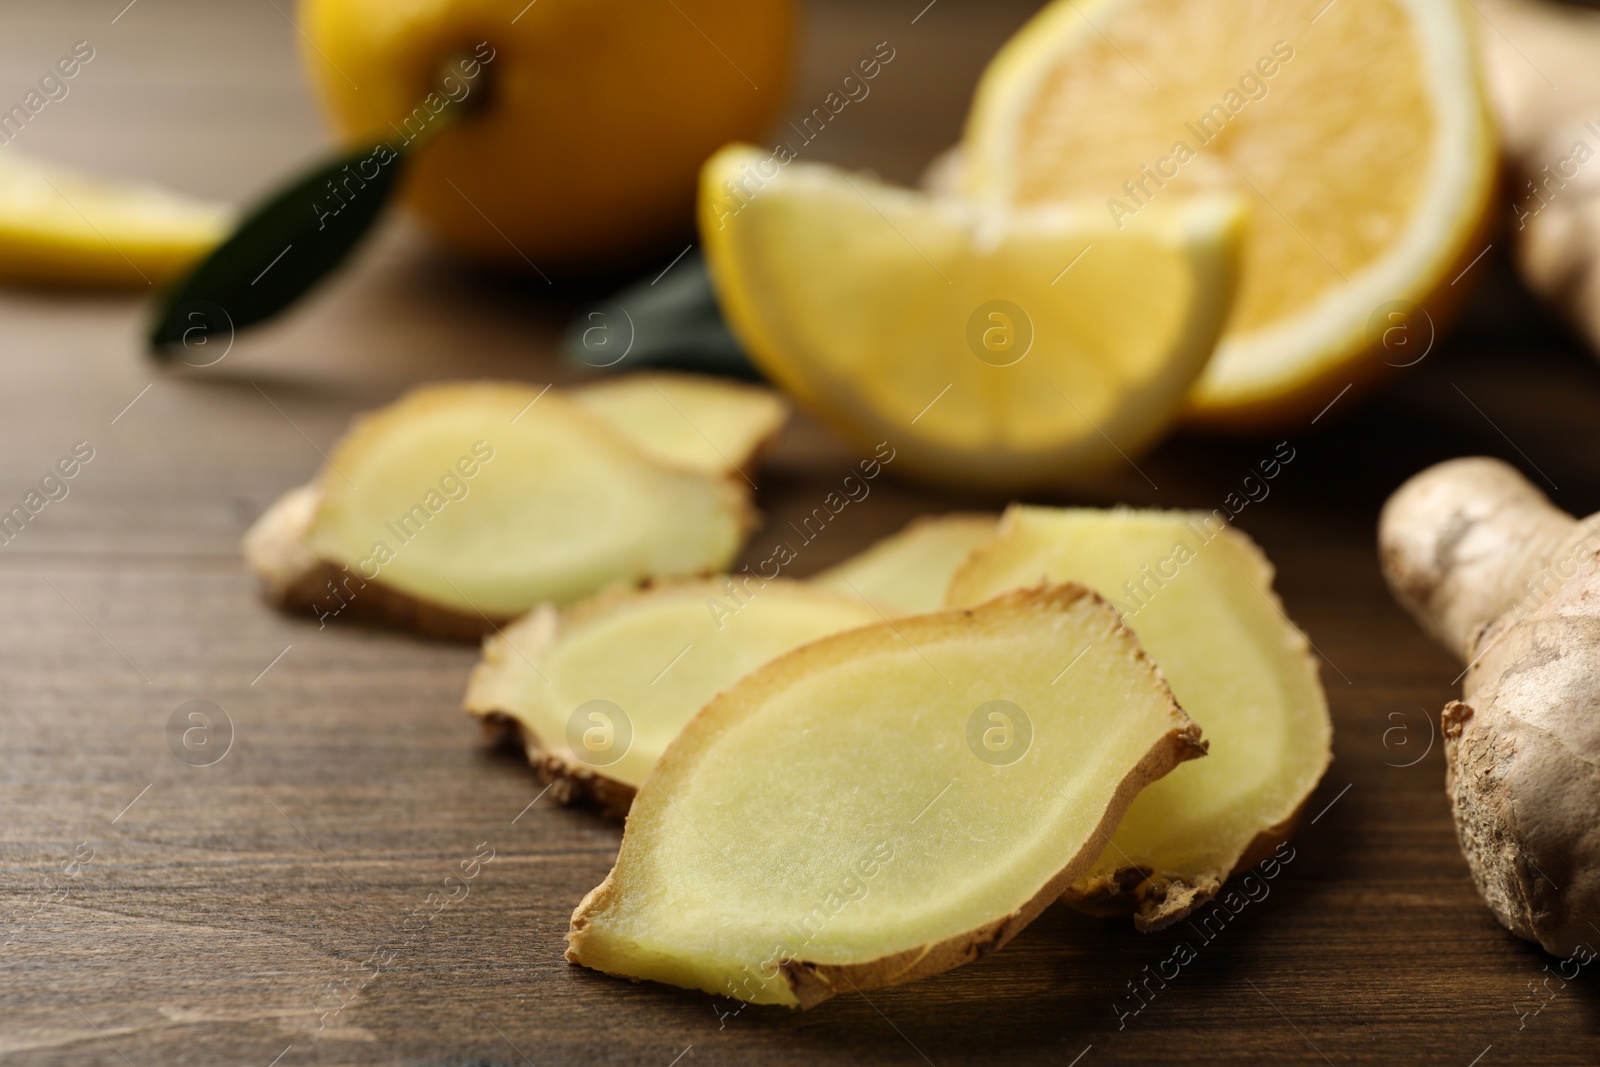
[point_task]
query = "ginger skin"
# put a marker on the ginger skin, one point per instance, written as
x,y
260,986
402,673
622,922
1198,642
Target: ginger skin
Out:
x,y
1511,584
1539,58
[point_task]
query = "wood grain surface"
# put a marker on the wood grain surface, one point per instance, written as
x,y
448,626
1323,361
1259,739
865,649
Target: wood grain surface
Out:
x,y
158,913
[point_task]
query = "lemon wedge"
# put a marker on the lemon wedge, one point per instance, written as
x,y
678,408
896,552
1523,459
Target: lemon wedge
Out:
x,y
988,347
63,227
1356,130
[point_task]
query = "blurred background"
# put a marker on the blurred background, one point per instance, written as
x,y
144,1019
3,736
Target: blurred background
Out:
x,y
213,101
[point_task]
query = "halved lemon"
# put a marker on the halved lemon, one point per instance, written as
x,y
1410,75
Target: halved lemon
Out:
x,y
986,347
63,227
1356,129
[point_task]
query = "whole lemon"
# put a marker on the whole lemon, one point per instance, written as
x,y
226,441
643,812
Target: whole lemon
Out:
x,y
583,123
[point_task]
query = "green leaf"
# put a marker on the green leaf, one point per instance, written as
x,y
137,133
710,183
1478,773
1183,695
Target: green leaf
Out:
x,y
671,321
283,247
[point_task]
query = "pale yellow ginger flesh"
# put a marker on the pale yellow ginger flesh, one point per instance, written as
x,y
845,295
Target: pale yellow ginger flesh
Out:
x,y
709,425
489,498
1199,595
907,573
1511,584
884,804
647,419
62,227
599,690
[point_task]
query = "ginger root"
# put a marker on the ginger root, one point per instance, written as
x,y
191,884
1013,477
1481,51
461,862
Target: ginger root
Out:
x,y
1511,584
1539,59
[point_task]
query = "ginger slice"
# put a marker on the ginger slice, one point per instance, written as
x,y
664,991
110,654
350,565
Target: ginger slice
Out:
x,y
710,425
275,546
293,578
1199,595
646,437
1508,581
599,690
907,573
461,506
884,804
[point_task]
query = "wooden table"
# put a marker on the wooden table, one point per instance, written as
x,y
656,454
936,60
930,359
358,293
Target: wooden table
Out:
x,y
212,910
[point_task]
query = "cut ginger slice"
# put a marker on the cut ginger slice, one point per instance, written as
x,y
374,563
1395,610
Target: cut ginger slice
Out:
x,y
482,500
884,804
599,690
1199,595
710,425
907,573
648,418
